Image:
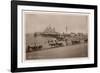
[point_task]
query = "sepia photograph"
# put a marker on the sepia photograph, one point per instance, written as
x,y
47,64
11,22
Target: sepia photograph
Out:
x,y
52,36
55,35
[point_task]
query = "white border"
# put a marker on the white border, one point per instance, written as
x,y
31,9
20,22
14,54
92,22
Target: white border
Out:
x,y
54,62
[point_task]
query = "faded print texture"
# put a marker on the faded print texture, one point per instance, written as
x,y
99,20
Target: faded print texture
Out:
x,y
51,35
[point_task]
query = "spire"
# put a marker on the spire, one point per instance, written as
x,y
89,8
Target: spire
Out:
x,y
66,28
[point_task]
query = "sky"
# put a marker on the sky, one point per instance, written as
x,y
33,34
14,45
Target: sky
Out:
x,y
38,21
